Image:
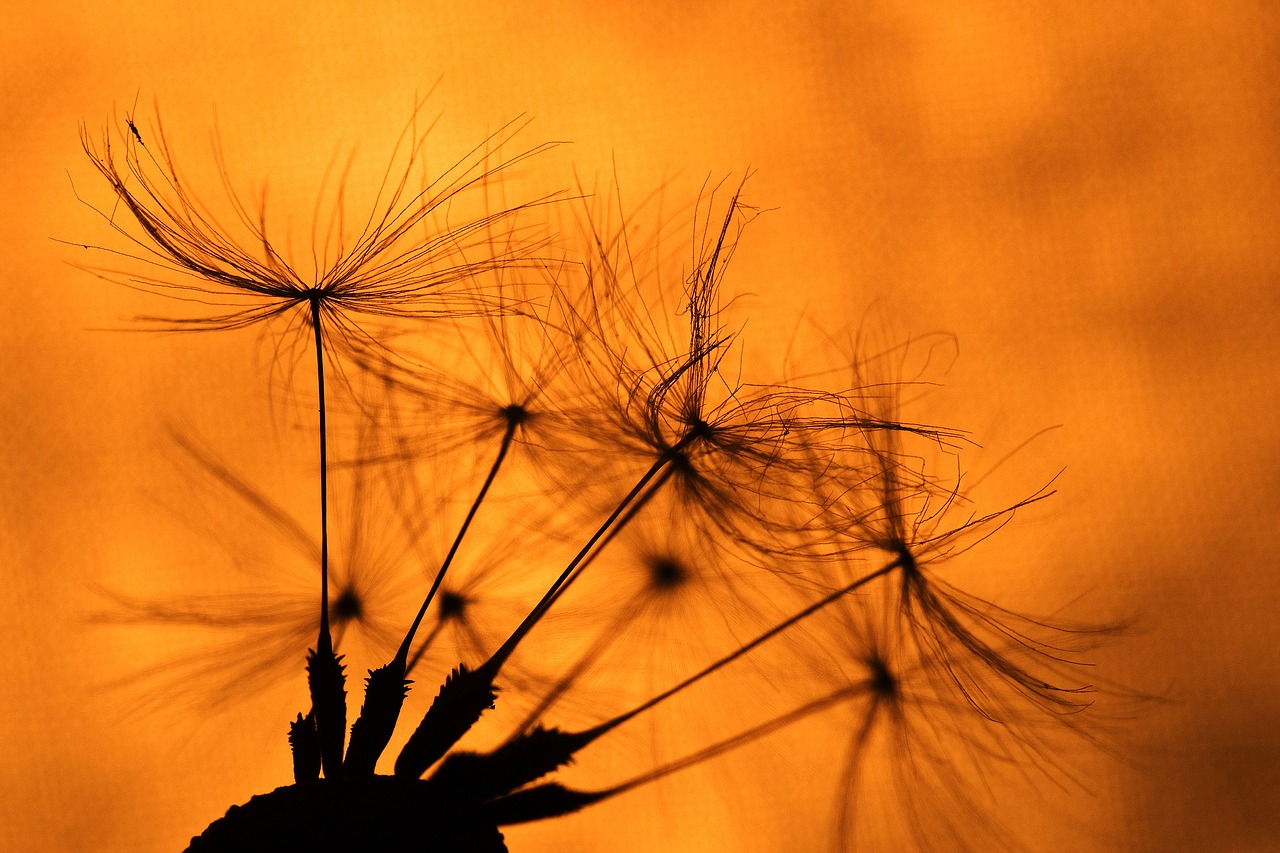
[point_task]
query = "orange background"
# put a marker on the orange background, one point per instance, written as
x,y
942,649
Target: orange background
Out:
x,y
1085,193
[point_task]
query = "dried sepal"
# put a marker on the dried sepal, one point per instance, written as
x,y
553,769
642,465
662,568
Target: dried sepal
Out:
x,y
385,691
464,696
326,679
305,746
519,761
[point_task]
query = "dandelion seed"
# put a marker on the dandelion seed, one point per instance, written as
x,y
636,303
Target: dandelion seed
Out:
x,y
744,455
389,271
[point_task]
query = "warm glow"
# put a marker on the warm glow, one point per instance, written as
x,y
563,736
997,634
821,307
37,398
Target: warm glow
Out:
x,y
1015,218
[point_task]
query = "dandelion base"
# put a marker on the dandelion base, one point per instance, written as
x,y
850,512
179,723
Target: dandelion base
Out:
x,y
375,813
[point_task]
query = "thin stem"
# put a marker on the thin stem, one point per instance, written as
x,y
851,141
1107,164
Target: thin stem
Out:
x,y
325,640
660,470
606,638
325,677
610,634
552,799
403,653
426,644
742,650
619,525
740,739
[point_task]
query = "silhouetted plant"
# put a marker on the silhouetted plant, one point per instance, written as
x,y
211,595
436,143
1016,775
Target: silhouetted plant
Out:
x,y
532,429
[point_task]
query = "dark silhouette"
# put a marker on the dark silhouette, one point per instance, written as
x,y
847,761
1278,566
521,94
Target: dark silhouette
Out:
x,y
593,409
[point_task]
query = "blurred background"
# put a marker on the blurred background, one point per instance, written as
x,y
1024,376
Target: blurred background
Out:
x,y
1085,194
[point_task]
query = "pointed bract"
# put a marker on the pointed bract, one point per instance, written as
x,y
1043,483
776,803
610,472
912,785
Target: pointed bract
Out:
x,y
384,693
327,681
305,747
464,696
518,762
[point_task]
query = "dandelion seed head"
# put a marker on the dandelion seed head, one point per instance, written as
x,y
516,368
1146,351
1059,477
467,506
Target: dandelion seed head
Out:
x,y
347,606
882,680
515,414
453,605
667,573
